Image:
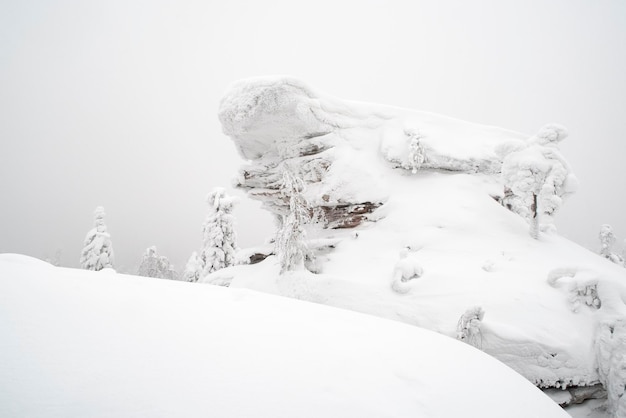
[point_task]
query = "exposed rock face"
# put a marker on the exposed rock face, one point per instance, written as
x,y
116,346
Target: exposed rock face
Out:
x,y
575,395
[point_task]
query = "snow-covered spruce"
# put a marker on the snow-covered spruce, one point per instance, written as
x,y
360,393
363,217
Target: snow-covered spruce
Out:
x,y
607,239
536,177
55,260
153,265
219,244
291,246
193,269
97,251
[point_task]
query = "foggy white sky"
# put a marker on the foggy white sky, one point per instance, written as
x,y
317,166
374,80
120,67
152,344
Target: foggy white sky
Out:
x,y
114,103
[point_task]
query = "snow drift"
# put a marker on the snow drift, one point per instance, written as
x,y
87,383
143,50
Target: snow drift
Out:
x,y
381,181
76,343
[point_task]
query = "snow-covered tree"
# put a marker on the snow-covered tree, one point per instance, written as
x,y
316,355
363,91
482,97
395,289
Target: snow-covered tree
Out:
x,y
536,178
149,263
97,251
56,259
166,269
219,239
416,151
291,246
524,178
468,327
153,265
607,239
193,269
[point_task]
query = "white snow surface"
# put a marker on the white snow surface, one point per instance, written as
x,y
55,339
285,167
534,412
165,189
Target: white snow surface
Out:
x,y
77,343
472,251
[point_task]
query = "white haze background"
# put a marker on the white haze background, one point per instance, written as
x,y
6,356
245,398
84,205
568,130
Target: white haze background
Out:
x,y
114,103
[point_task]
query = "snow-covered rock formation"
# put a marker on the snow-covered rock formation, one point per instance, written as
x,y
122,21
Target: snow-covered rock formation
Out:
x,y
380,180
278,122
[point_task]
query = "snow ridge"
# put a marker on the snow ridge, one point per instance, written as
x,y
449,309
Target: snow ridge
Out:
x,y
76,343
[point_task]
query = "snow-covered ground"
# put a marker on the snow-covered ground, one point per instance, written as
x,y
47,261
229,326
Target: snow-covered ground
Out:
x,y
75,343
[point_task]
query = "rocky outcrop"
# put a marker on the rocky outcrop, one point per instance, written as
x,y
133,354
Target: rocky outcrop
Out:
x,y
409,180
281,124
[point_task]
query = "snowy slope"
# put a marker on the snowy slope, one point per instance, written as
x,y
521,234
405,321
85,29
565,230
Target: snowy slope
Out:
x,y
545,300
77,343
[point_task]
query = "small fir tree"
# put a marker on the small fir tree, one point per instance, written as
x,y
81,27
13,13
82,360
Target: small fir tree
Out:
x,y
607,239
219,240
193,269
524,180
56,259
290,243
97,251
149,261
153,265
536,177
166,269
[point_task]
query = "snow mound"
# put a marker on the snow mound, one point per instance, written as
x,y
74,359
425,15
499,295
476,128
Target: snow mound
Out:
x,y
76,343
24,260
382,180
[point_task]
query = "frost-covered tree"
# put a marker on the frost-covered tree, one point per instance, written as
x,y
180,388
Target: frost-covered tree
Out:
x,y
607,239
166,269
97,251
524,178
416,151
193,269
153,265
536,178
291,246
56,259
149,263
219,238
468,328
